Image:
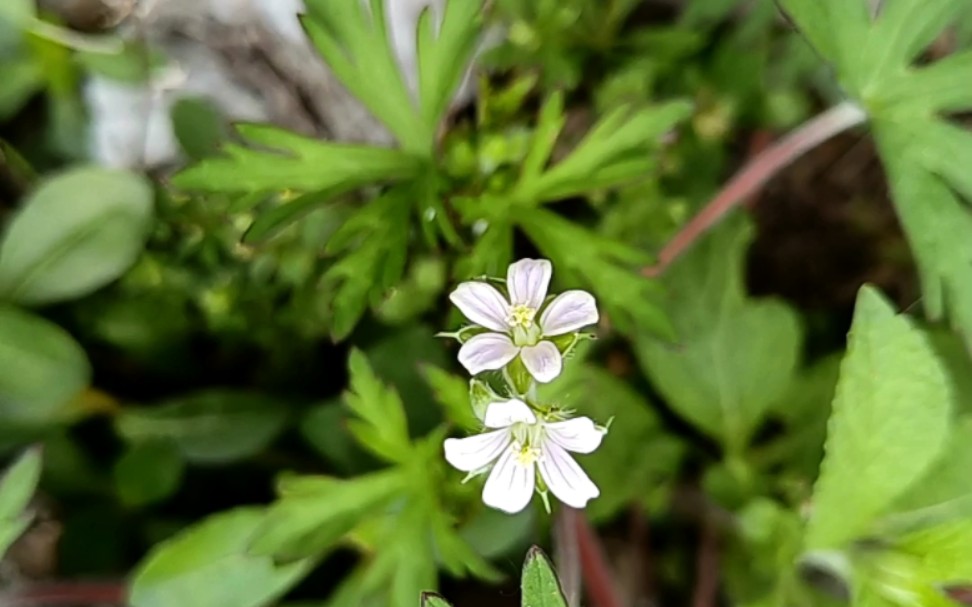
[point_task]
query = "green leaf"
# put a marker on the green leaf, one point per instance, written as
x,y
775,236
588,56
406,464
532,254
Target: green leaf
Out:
x,y
148,472
452,392
733,357
431,599
287,161
272,222
42,368
637,438
836,28
208,564
16,489
18,12
539,583
21,80
904,29
214,426
617,150
889,423
314,512
199,126
381,426
77,232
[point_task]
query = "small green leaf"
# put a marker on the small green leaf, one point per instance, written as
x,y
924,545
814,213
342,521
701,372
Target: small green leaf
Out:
x,y
208,564
76,233
148,472
381,426
17,486
431,599
889,423
539,583
314,512
199,126
208,427
452,392
42,368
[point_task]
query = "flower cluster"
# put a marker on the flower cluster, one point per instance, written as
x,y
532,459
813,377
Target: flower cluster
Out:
x,y
525,335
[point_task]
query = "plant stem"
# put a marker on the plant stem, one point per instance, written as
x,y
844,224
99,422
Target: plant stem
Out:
x,y
66,593
602,591
756,173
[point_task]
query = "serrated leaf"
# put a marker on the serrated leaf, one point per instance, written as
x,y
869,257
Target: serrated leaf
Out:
x,y
74,234
889,423
42,368
208,564
903,29
539,584
452,392
313,513
381,426
214,426
836,28
17,486
733,357
288,161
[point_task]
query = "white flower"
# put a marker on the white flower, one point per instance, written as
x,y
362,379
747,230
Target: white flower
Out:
x,y
514,327
519,444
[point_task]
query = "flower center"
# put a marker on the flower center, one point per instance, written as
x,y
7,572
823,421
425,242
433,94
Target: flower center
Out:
x,y
521,316
527,455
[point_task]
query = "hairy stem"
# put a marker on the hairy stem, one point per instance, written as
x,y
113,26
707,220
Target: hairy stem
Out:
x,y
756,173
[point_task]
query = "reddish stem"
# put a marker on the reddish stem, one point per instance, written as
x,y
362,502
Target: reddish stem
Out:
x,y
601,589
707,569
66,593
756,173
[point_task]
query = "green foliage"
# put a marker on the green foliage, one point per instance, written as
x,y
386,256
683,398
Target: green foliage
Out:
x,y
43,368
212,427
209,564
103,222
890,423
16,489
540,585
148,472
381,425
733,356
907,105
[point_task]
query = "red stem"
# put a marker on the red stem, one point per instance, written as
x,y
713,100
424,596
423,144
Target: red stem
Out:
x,y
602,591
66,593
756,173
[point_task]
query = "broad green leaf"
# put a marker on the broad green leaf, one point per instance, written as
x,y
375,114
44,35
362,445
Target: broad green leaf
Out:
x,y
889,423
283,160
42,368
21,80
74,234
430,599
539,583
381,426
733,357
16,488
214,426
312,513
945,551
148,472
208,564
18,12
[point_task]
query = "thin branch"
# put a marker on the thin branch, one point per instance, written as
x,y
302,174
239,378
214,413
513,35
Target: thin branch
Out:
x,y
756,173
707,569
602,590
66,593
567,555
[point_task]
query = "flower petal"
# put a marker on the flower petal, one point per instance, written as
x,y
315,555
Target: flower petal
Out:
x,y
475,452
543,361
487,352
510,484
570,311
579,434
527,281
564,477
482,304
507,412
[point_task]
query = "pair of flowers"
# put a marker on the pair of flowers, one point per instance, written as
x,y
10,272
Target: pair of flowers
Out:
x,y
519,442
